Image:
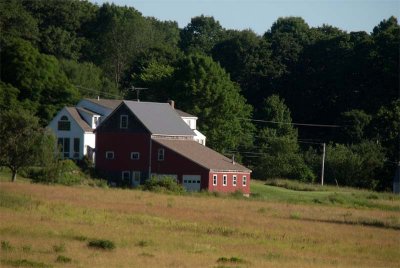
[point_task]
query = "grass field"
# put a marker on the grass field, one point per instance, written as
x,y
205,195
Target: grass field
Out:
x,y
52,226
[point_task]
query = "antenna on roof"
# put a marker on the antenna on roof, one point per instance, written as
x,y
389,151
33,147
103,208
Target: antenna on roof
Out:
x,y
137,89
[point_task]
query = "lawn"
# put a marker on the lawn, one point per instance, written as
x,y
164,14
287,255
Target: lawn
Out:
x,y
52,226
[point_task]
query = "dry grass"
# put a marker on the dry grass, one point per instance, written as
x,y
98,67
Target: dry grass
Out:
x,y
157,230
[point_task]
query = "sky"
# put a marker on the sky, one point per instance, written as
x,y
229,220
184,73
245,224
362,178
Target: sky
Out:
x,y
259,15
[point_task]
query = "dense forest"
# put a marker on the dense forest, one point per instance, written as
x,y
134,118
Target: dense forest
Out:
x,y
270,100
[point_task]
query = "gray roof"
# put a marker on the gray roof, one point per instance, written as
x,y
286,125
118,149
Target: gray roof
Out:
x,y
86,111
108,103
184,114
202,155
78,119
159,118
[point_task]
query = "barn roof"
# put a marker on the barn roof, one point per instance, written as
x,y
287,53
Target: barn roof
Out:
x,y
202,155
78,119
159,118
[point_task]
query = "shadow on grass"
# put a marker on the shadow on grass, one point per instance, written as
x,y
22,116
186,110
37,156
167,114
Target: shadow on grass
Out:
x,y
361,222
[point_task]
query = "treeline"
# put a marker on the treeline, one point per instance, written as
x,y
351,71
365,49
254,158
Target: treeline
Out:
x,y
55,52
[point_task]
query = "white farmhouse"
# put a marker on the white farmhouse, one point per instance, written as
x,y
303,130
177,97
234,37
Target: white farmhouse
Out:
x,y
74,126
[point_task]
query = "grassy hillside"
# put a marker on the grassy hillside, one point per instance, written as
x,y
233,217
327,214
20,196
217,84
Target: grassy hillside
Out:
x,y
51,226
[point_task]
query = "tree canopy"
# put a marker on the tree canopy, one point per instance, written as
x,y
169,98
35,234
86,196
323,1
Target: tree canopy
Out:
x,y
53,53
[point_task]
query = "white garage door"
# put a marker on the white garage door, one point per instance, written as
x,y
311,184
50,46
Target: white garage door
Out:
x,y
191,182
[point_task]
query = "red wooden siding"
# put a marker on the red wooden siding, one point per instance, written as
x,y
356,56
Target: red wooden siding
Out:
x,y
174,163
229,188
122,144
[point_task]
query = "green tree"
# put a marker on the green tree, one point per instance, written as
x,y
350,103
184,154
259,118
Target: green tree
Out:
x,y
248,59
277,145
117,36
354,124
355,165
287,37
38,77
15,21
386,128
201,34
61,25
22,142
89,79
204,89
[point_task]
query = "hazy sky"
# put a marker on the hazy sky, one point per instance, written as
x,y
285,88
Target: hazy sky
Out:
x,y
258,15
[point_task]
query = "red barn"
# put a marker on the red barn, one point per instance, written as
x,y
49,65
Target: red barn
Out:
x,y
144,139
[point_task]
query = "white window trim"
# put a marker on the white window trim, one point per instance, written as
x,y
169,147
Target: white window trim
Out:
x,y
120,121
163,154
133,153
224,180
234,180
244,181
215,180
110,152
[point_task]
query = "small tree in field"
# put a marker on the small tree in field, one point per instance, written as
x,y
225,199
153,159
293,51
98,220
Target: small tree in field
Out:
x,y
22,141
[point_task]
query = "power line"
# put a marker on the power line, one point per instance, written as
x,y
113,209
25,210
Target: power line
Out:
x,y
98,92
295,124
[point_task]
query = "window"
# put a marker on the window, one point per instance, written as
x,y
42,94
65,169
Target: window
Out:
x,y
215,179
135,155
63,144
161,155
244,182
125,176
64,124
136,177
110,155
234,180
224,180
77,144
123,123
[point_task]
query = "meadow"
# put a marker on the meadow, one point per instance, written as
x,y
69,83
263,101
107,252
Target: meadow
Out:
x,y
57,226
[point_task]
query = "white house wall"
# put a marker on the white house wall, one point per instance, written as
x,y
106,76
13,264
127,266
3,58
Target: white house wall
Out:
x,y
75,131
90,140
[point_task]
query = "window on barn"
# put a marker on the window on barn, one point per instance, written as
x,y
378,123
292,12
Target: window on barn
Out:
x,y
136,177
126,176
64,124
110,155
244,181
135,155
224,180
123,123
234,180
161,155
63,145
215,179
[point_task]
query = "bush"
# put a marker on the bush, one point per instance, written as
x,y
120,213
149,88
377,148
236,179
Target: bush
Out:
x,y
63,259
167,184
102,244
64,172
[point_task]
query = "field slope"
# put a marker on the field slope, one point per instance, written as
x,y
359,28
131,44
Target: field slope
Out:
x,y
51,226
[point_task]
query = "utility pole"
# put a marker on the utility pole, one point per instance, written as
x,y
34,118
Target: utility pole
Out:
x,y
323,163
137,89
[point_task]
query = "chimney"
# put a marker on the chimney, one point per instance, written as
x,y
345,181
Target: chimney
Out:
x,y
172,103
233,159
